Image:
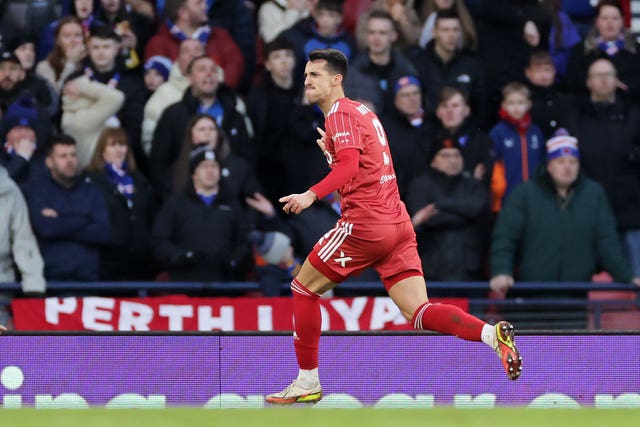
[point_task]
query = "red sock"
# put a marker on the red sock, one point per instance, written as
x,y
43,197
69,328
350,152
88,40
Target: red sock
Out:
x,y
307,324
448,319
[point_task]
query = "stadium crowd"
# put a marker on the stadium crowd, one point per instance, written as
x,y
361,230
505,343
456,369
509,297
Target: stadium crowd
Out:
x,y
152,140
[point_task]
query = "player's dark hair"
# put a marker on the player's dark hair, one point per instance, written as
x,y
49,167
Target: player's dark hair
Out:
x,y
59,139
336,61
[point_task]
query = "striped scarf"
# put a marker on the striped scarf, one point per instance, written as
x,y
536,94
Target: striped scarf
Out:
x,y
121,179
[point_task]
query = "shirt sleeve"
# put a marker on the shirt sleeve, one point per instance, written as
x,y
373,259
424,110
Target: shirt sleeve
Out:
x,y
346,169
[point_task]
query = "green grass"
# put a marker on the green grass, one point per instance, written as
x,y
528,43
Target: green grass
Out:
x,y
316,417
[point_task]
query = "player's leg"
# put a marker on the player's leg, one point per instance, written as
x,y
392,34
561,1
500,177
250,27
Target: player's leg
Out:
x,y
306,289
402,276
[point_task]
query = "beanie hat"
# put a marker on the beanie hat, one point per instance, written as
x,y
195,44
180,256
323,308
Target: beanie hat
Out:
x,y
21,113
161,64
440,144
271,245
199,154
8,55
405,81
562,144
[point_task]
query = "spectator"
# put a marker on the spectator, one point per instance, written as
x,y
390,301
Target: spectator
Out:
x,y
103,67
457,123
275,261
446,210
13,86
156,72
82,12
404,16
187,19
373,71
87,108
237,17
275,16
135,29
269,105
607,39
608,127
67,54
468,39
197,235
555,228
130,205
205,95
517,143
323,29
68,215
549,107
441,63
408,132
172,91
508,31
18,246
563,36
21,155
25,49
237,177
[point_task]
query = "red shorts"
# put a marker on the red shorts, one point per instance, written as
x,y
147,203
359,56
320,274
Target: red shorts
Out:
x,y
349,249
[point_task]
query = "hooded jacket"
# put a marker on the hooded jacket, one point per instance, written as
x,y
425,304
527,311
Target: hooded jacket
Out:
x,y
18,245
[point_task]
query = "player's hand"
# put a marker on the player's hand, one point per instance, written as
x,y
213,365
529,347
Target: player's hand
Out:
x,y
296,203
501,283
322,140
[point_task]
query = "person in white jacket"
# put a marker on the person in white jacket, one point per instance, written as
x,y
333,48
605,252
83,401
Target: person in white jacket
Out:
x,y
87,108
170,91
18,245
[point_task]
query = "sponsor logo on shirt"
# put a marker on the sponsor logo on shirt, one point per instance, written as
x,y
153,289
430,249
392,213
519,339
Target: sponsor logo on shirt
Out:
x,y
387,178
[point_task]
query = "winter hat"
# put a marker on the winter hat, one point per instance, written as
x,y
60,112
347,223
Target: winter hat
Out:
x,y
199,154
271,245
161,64
442,143
405,81
562,144
8,55
19,40
21,113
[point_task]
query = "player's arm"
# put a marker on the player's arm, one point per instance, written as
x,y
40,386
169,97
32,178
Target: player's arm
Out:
x,y
346,169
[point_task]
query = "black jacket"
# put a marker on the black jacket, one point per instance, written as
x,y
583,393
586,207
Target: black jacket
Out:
x,y
463,71
450,243
127,255
215,234
550,108
609,142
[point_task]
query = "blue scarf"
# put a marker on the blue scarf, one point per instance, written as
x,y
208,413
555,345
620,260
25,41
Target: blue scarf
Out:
x,y
202,34
207,200
121,179
112,83
613,47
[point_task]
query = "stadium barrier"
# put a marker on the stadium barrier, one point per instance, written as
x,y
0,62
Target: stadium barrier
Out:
x,y
392,370
610,305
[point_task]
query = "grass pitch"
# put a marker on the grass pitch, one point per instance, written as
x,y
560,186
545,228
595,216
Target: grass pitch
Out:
x,y
316,417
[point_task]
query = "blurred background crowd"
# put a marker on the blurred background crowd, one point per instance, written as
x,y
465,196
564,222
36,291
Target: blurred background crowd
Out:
x,y
148,140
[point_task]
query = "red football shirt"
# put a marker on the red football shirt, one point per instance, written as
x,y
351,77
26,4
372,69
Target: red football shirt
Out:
x,y
372,196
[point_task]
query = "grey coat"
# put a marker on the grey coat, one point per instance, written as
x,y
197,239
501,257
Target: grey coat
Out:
x,y
18,245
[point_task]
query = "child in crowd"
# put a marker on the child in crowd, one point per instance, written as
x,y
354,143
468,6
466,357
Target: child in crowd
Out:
x,y
518,143
156,72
